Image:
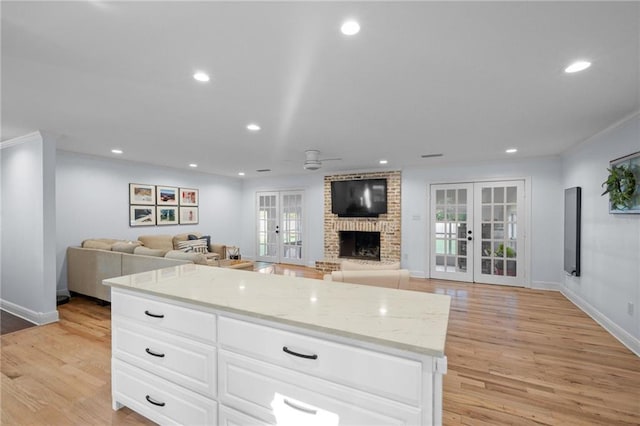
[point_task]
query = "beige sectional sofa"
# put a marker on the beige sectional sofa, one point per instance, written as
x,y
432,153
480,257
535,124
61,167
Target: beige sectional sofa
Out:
x,y
98,259
380,275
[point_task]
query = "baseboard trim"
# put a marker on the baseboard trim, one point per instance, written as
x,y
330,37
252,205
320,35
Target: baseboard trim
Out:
x,y
615,330
544,285
38,318
417,274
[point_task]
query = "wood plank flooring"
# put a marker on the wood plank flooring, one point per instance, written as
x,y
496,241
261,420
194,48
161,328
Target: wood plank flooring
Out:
x,y
516,357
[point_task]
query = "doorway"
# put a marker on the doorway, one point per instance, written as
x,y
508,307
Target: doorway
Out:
x,y
478,232
280,233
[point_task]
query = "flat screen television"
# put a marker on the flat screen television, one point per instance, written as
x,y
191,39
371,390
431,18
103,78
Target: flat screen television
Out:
x,y
359,198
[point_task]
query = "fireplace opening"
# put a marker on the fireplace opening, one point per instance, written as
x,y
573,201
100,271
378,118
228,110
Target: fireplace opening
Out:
x,y
360,245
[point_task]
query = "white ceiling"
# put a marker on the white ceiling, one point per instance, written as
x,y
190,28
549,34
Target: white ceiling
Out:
x,y
466,79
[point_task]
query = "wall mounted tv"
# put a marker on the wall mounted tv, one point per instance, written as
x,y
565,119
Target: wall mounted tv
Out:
x,y
359,198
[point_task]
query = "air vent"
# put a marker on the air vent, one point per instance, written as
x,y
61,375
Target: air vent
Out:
x,y
263,170
431,155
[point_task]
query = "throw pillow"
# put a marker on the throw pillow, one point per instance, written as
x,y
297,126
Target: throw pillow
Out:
x,y
197,246
204,237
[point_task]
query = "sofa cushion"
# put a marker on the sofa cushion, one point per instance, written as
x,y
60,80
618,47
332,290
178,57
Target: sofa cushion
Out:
x,y
126,247
99,243
198,258
146,251
159,242
350,265
380,278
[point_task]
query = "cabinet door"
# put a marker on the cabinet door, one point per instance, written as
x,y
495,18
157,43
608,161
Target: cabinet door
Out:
x,y
230,417
186,362
187,322
159,400
280,396
371,371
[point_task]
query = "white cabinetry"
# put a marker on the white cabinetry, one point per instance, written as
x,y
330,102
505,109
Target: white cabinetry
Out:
x,y
181,360
163,360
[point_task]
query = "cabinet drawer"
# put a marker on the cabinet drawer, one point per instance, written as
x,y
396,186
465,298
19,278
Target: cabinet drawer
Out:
x,y
273,393
385,375
230,417
188,363
159,400
165,316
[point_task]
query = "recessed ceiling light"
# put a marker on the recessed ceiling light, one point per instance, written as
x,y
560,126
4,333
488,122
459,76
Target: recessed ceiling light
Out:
x,y
350,28
511,151
194,165
577,66
383,161
200,76
253,127
117,151
240,173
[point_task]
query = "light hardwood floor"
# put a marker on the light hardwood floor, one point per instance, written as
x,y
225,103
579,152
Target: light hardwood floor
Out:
x,y
516,357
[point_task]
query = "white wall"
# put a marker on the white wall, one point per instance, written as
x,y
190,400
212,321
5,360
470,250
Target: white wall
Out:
x,y
93,202
545,219
28,287
610,243
313,187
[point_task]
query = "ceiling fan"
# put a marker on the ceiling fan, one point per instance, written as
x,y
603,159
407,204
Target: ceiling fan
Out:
x,y
313,161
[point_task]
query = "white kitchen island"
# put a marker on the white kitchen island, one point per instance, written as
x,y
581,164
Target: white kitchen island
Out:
x,y
198,345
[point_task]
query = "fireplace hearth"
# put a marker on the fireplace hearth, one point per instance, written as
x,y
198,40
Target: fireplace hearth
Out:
x,y
360,245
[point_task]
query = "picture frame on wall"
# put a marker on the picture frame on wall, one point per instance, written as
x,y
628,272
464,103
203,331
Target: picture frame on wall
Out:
x,y
142,194
142,215
188,197
166,195
623,184
188,215
167,215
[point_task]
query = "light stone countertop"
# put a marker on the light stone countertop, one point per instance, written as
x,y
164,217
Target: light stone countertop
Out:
x,y
407,320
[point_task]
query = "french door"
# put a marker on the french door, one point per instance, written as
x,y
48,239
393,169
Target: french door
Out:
x,y
280,227
477,232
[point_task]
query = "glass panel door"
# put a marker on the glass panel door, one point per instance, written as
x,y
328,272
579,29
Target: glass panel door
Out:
x,y
268,224
280,227
499,217
451,232
291,228
477,232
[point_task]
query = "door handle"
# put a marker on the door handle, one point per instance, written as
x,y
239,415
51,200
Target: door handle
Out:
x,y
469,238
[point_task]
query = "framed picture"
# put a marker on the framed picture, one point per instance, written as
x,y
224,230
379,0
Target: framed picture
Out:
x,y
167,215
141,194
188,215
142,215
188,197
166,196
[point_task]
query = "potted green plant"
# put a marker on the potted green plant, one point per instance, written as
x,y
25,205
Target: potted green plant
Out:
x,y
621,186
501,250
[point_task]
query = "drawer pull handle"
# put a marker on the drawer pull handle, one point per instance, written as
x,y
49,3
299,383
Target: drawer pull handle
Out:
x,y
154,402
154,315
290,352
150,352
299,408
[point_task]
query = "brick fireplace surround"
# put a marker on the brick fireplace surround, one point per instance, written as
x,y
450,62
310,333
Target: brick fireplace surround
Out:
x,y
387,224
